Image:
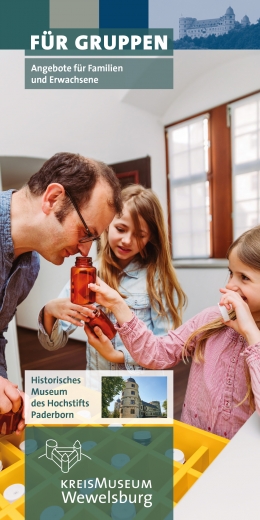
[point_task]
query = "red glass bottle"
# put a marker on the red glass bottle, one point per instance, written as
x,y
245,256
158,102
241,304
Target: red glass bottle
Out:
x,y
103,322
10,420
82,274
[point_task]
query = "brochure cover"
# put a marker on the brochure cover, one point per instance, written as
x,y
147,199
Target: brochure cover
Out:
x,y
110,79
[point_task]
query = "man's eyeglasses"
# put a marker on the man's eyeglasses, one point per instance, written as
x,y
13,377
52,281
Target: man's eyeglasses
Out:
x,y
89,237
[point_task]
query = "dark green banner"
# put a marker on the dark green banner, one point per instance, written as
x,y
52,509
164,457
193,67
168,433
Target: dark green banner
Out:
x,y
98,473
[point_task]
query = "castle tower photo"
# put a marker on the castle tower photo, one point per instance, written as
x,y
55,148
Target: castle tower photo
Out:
x,y
131,406
130,400
202,28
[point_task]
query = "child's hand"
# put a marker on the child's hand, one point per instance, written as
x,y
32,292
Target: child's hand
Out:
x,y
63,309
112,300
104,294
244,323
103,345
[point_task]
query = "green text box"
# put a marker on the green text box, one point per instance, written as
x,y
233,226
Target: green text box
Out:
x,y
125,73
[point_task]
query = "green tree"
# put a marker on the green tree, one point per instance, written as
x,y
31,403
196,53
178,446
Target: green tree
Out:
x,y
116,414
164,406
111,386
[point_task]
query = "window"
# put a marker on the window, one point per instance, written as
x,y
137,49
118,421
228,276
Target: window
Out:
x,y
188,160
132,385
132,392
245,139
212,201
132,411
132,401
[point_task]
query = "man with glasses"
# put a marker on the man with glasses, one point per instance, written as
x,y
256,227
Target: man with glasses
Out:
x,y
64,207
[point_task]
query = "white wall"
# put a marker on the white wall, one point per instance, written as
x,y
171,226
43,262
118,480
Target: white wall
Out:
x,y
205,79
201,286
12,355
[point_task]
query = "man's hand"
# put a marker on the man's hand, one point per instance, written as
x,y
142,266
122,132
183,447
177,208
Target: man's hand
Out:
x,y
11,399
21,424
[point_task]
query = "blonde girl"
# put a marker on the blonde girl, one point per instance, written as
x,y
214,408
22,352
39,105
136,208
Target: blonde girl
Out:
x,y
135,260
224,383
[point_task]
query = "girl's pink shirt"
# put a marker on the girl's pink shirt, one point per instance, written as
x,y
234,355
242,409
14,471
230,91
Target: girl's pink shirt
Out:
x,y
215,386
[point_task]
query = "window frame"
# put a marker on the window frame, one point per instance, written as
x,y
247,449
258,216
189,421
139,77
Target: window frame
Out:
x,y
246,167
193,179
219,177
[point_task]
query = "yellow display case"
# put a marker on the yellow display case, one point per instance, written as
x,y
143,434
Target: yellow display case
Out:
x,y
200,449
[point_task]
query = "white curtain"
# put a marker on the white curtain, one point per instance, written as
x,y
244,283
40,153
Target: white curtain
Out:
x,y
245,135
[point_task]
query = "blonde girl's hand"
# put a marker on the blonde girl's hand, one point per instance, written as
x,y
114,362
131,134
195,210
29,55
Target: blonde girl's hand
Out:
x,y
103,345
63,309
105,295
112,300
244,323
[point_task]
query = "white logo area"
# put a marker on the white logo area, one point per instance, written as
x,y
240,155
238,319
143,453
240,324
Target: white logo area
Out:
x,y
66,456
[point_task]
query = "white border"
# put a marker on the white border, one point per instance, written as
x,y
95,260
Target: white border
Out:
x,y
141,373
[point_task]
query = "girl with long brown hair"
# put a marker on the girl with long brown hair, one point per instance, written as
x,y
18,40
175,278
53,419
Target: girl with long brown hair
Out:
x,y
224,383
135,260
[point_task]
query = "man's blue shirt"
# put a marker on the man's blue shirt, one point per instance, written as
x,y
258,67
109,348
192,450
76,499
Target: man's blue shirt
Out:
x,y
17,275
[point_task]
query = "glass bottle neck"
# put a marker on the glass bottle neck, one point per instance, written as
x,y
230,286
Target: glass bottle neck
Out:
x,y
83,261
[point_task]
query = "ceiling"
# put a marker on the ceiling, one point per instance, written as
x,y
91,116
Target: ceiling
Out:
x,y
189,65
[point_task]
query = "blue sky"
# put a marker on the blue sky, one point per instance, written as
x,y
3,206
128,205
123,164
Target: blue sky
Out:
x,y
166,13
150,389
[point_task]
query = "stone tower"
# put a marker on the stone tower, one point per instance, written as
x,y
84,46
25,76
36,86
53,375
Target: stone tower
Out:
x,y
245,21
117,405
229,19
130,400
158,406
